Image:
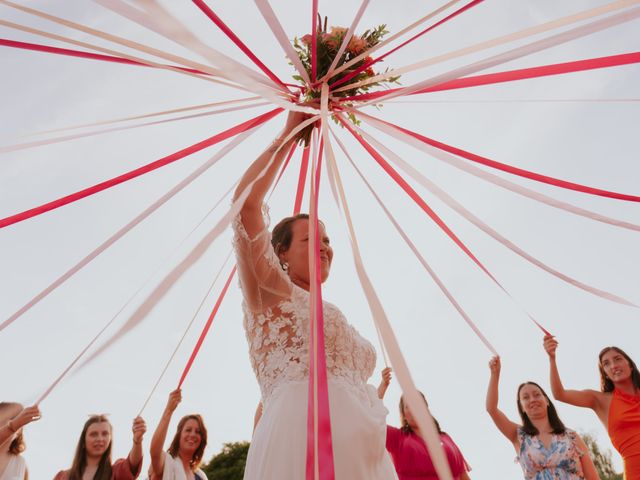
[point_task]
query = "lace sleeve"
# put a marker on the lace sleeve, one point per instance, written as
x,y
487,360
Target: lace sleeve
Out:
x,y
262,280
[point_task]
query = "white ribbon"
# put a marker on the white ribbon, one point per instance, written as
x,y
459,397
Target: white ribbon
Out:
x,y
467,215
527,32
515,53
424,419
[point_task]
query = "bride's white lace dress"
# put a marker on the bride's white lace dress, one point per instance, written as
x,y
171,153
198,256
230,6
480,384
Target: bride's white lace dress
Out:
x,y
276,321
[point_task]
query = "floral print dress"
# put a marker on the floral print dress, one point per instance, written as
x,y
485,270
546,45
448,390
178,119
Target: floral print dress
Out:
x,y
561,460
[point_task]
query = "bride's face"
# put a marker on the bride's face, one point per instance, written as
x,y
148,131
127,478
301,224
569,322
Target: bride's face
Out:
x,y
297,256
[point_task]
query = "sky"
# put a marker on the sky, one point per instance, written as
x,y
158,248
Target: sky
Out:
x,y
580,127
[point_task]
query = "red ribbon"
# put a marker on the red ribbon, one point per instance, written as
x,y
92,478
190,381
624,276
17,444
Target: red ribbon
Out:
x,y
206,328
284,167
78,53
234,38
520,74
514,170
302,178
242,127
379,59
414,195
314,39
317,357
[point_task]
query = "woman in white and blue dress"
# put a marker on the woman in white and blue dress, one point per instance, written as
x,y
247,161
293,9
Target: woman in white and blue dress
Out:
x,y
274,278
546,449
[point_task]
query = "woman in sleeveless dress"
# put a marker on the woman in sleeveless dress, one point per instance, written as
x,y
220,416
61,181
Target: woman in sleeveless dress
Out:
x,y
274,278
617,404
182,459
409,451
546,449
12,420
92,459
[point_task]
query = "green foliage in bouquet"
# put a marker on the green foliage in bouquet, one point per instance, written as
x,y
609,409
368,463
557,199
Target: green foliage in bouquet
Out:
x,y
327,45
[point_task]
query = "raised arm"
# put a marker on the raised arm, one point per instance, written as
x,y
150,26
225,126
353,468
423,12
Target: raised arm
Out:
x,y
384,382
160,435
251,212
135,454
24,417
579,398
508,428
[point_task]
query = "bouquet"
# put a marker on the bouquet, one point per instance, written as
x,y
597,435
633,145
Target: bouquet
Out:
x,y
327,46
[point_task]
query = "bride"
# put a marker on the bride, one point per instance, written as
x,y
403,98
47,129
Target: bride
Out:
x,y
274,278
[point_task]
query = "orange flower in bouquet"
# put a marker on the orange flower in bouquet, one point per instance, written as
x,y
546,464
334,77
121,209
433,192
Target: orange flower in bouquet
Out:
x,y
328,44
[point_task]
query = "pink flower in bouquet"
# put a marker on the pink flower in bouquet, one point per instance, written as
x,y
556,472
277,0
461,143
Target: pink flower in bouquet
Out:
x,y
357,45
307,39
369,71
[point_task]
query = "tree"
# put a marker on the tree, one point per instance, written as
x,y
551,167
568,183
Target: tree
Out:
x,y
601,459
229,463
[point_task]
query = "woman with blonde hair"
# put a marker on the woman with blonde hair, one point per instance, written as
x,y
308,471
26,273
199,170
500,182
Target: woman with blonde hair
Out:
x,y
182,459
92,460
12,420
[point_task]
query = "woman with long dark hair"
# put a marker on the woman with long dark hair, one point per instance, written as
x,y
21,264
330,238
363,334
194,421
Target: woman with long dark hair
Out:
x,y
92,460
617,404
12,420
409,451
182,459
546,449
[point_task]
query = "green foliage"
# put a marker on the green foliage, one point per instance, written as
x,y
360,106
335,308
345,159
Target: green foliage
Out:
x,y
229,463
601,459
328,44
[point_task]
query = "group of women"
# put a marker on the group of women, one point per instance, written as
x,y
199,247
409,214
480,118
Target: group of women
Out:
x,y
275,280
92,459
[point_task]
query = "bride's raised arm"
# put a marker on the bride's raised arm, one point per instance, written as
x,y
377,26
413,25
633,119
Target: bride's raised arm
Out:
x,y
263,281
251,212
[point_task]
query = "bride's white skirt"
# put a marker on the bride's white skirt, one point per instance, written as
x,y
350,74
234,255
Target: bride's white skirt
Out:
x,y
358,426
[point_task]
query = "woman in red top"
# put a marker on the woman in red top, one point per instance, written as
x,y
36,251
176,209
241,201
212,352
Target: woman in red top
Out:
x,y
617,404
408,450
92,460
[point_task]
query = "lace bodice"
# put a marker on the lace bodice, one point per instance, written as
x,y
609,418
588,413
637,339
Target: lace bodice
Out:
x,y
276,322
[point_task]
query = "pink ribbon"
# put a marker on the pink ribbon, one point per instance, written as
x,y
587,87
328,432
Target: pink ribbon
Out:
x,y
127,228
318,385
366,65
419,256
206,328
302,177
314,40
77,53
519,74
515,170
65,138
470,217
420,202
414,196
416,404
235,39
19,217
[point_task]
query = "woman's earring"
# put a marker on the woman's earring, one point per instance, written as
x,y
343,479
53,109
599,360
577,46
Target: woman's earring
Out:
x,y
285,266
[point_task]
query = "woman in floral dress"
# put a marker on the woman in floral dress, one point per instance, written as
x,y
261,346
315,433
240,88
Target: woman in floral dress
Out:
x,y
546,449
